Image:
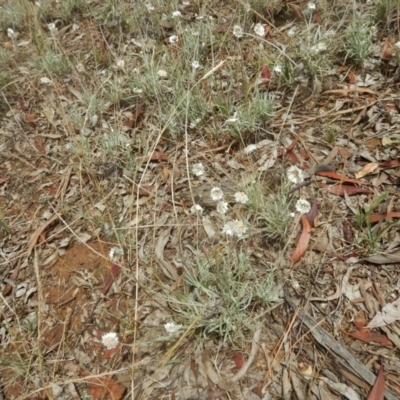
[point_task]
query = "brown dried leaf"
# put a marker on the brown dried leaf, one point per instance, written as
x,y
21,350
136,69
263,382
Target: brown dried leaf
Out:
x,y
166,267
114,271
159,156
367,169
105,388
303,241
378,391
340,190
297,11
38,233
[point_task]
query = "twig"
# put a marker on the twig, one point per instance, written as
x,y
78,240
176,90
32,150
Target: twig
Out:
x,y
230,384
340,354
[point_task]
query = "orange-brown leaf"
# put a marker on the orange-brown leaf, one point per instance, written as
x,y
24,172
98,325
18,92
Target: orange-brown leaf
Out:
x,y
378,391
114,271
377,218
340,190
238,359
131,123
303,241
105,388
367,336
317,17
266,73
159,156
297,11
334,175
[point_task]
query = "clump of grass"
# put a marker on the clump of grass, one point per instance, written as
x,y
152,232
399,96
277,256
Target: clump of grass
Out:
x,y
270,212
252,116
369,233
359,41
221,294
53,63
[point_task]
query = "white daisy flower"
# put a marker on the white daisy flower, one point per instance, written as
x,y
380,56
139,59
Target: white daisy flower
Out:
x,y
162,73
216,193
233,228
196,208
295,174
173,39
12,34
194,123
115,253
150,7
259,29
195,65
171,327
222,207
198,170
319,48
120,64
238,31
80,67
241,197
277,69
176,14
110,340
52,27
303,206
292,31
240,228
228,228
311,6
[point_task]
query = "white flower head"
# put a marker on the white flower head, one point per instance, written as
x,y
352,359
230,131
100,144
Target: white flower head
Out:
x,y
235,227
120,64
173,39
194,123
52,27
295,174
176,14
150,7
115,253
195,64
162,73
137,90
397,45
319,48
238,31
303,206
222,207
196,208
198,170
259,30
241,197
278,69
311,6
250,148
171,327
12,34
80,67
110,340
216,193
292,31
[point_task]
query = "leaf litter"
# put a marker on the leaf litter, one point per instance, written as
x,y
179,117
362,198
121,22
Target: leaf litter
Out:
x,y
110,178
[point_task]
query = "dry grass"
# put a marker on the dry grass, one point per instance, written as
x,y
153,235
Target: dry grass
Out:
x,y
107,108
